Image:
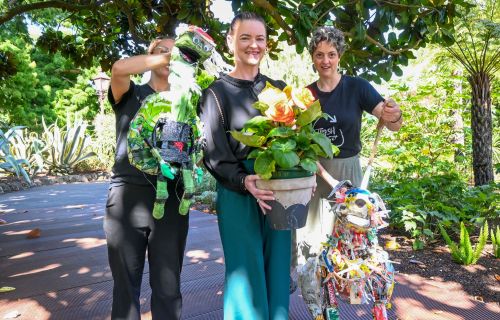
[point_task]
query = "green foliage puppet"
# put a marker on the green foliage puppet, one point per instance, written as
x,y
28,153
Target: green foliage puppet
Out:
x,y
162,139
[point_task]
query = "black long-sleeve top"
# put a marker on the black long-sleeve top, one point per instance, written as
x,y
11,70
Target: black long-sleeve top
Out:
x,y
223,155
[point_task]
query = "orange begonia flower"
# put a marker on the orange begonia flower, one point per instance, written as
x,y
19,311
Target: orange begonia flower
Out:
x,y
281,112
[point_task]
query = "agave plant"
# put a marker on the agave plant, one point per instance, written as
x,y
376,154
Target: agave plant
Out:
x,y
66,146
28,145
9,162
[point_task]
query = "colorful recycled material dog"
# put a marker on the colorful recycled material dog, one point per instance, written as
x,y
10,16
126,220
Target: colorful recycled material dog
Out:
x,y
163,135
351,265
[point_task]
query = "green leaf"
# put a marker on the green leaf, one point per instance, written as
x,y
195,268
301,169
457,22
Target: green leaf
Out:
x,y
309,164
261,106
445,236
286,159
392,39
418,244
286,145
250,140
325,143
254,153
360,31
410,225
303,140
259,122
428,233
6,289
311,114
281,132
264,165
397,70
318,150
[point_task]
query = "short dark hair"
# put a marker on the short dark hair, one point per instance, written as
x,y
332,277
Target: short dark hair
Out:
x,y
245,15
331,35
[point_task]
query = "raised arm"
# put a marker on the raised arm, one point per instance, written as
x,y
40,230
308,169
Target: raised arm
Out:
x,y
159,56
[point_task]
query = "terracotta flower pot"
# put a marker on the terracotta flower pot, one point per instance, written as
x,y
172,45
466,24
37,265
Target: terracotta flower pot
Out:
x,y
293,195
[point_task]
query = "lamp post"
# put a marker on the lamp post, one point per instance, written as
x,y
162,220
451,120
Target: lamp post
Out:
x,y
101,85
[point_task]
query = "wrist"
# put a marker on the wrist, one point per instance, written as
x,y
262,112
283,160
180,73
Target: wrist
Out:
x,y
399,118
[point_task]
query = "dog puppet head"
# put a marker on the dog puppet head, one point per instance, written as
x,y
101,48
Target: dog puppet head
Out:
x,y
361,209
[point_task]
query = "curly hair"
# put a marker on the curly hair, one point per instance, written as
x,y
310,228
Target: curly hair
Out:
x,y
331,35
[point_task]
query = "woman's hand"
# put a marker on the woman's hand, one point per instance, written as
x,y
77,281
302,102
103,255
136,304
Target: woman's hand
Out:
x,y
259,194
390,113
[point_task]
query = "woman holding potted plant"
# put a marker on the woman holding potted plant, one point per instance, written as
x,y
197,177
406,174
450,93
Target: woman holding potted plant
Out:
x,y
344,99
257,258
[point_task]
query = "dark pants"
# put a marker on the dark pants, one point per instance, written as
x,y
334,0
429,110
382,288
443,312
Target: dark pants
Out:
x,y
130,232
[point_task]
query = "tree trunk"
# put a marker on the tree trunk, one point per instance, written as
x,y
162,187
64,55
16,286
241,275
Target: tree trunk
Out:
x,y
481,128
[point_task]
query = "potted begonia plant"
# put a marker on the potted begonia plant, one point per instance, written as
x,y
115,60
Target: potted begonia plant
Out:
x,y
286,149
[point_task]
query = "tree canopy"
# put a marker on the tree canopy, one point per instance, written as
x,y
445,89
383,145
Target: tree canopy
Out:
x,y
381,34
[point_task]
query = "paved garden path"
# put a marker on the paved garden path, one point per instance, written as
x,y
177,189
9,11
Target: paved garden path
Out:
x,y
63,274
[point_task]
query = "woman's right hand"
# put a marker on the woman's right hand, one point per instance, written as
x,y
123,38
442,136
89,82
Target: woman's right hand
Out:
x,y
259,194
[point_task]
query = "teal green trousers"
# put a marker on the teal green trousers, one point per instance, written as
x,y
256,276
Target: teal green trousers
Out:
x,y
257,260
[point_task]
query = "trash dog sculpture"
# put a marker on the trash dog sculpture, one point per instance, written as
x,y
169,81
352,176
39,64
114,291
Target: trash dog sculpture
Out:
x,y
350,265
163,135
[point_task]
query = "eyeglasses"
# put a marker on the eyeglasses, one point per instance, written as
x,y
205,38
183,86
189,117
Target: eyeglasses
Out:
x,y
161,49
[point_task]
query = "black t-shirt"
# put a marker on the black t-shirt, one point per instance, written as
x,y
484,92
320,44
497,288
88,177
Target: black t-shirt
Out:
x,y
344,106
125,110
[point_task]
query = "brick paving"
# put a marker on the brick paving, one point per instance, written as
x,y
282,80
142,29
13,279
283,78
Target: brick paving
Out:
x,y
63,274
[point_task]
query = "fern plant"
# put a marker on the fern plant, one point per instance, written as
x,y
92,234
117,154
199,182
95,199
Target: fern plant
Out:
x,y
463,253
495,240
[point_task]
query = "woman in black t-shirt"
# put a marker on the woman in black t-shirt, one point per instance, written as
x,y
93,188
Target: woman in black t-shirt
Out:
x,y
344,99
131,231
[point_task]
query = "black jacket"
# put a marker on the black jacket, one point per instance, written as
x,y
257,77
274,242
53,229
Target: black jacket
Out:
x,y
223,156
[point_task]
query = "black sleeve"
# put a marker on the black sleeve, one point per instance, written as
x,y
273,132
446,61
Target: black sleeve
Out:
x,y
124,98
281,84
369,96
218,156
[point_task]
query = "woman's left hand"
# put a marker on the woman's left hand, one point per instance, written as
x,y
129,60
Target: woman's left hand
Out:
x,y
259,194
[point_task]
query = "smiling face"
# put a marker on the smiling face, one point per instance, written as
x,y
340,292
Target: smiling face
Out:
x,y
326,59
248,42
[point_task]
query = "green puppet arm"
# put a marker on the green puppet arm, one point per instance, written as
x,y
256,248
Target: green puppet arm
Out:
x,y
187,197
161,197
